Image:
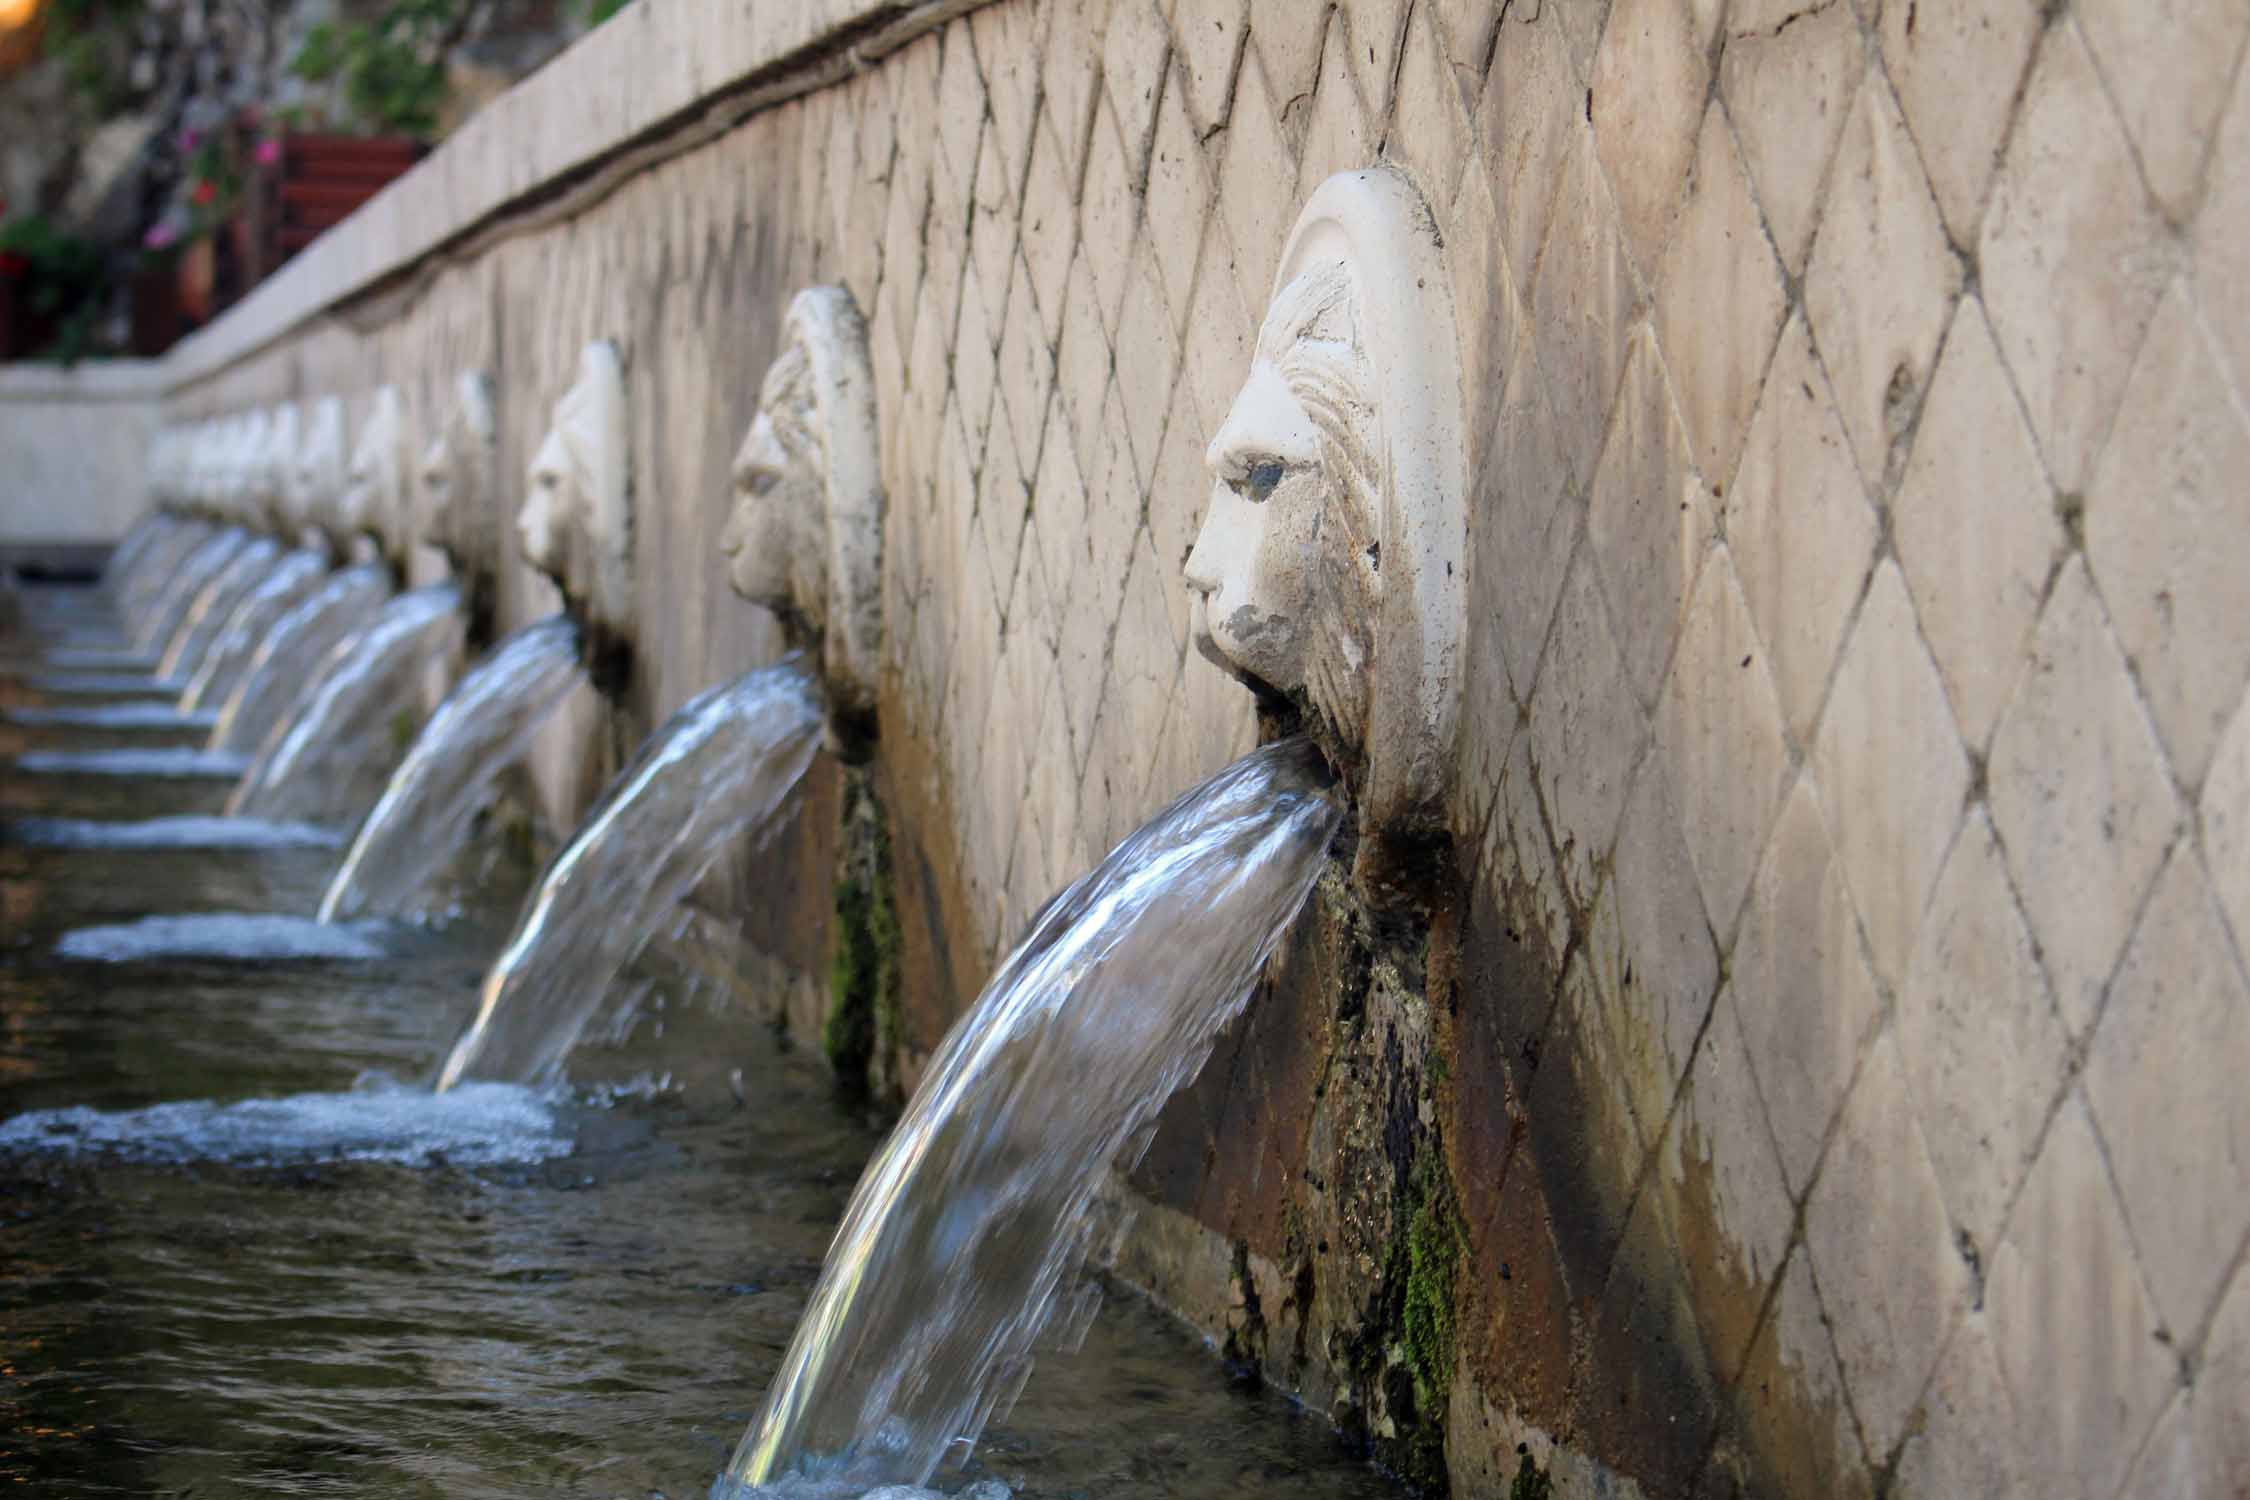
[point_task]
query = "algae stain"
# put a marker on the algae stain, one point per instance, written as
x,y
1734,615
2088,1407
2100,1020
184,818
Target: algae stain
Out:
x,y
862,1030
1424,1264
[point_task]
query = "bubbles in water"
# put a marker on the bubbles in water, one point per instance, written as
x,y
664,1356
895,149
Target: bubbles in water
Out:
x,y
224,935
480,1125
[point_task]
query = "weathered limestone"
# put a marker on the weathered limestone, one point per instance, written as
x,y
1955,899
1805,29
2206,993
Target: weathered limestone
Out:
x,y
322,468
805,536
374,497
455,499
1331,565
287,515
576,523
1850,771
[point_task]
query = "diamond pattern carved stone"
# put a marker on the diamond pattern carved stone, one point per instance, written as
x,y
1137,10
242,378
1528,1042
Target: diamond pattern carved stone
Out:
x,y
1801,988
1983,1048
1719,303
2074,1326
1708,756
2080,795
1802,531
1648,86
1883,1252
1882,280
1976,571
2070,227
1892,772
2173,1125
1958,68
1788,87
1721,740
2168,64
2167,528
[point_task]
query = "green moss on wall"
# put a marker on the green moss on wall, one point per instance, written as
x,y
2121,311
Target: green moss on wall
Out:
x,y
861,1033
1422,1272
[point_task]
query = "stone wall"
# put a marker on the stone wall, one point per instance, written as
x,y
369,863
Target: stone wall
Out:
x,y
1821,1077
71,449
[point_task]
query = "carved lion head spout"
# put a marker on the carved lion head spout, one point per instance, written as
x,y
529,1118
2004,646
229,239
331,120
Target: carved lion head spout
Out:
x,y
805,538
1331,568
238,449
322,467
576,523
374,497
455,492
286,514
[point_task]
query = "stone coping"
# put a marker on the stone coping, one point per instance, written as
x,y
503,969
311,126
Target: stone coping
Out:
x,y
89,380
659,78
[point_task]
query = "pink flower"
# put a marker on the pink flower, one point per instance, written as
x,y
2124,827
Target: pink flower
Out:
x,y
269,152
189,140
204,192
160,234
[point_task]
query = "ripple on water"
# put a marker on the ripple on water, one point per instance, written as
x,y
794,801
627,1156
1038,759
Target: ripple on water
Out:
x,y
476,1125
176,760
184,832
114,716
224,935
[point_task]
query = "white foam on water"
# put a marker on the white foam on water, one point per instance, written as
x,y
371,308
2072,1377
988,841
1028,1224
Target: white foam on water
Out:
x,y
174,760
476,1125
804,1487
844,1487
223,935
114,716
171,833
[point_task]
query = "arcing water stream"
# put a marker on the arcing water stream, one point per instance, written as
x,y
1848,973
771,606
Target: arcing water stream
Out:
x,y
291,651
972,1221
213,606
327,761
724,766
424,815
574,1287
288,581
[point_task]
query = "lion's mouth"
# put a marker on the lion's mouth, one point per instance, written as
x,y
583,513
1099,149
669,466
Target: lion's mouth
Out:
x,y
1244,622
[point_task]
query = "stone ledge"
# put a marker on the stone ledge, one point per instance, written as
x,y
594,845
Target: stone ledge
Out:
x,y
103,380
658,79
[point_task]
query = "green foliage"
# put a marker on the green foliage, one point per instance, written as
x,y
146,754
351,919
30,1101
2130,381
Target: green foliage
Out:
x,y
1531,1481
598,11
391,69
61,276
93,39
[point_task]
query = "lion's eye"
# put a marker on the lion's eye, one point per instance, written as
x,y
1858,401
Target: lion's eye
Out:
x,y
1259,483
